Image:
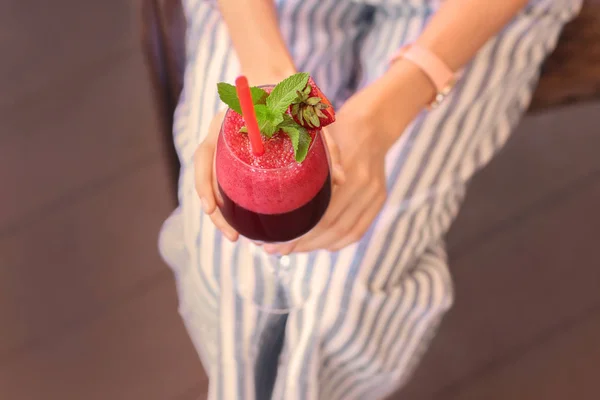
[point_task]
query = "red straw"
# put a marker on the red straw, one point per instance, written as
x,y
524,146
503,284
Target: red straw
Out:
x,y
245,96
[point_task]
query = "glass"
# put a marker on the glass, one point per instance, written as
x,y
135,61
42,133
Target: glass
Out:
x,y
273,204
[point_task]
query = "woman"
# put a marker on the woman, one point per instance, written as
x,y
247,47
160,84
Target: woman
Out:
x,y
403,171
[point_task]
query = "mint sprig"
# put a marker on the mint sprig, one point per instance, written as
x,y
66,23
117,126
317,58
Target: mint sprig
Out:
x,y
286,91
228,95
268,120
298,135
271,110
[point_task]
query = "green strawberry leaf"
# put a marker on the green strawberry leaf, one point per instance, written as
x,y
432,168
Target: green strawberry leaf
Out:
x,y
228,95
298,135
286,91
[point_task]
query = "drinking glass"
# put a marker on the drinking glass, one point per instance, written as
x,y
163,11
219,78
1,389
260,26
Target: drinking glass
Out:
x,y
271,205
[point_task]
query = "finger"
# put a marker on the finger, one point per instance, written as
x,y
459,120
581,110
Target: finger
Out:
x,y
338,176
334,209
216,190
340,227
345,198
217,218
287,248
215,213
280,248
360,228
203,164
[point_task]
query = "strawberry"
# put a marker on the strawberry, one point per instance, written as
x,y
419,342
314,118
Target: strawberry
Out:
x,y
312,109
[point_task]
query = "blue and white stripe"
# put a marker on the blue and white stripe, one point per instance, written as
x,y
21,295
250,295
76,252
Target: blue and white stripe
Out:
x,y
382,298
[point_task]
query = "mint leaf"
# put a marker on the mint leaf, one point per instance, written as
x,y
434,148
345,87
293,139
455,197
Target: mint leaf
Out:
x,y
270,110
259,96
289,121
268,120
284,94
298,135
228,95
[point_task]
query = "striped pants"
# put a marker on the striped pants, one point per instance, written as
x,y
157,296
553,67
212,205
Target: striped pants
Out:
x,y
378,302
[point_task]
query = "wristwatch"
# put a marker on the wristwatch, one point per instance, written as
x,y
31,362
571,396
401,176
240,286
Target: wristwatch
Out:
x,y
440,75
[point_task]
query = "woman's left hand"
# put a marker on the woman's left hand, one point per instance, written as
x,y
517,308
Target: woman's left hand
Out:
x,y
356,202
366,127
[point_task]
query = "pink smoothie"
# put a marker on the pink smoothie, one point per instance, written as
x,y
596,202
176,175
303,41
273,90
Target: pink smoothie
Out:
x,y
273,183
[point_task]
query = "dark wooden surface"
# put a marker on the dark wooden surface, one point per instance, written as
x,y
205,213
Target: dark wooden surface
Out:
x,y
88,310
526,267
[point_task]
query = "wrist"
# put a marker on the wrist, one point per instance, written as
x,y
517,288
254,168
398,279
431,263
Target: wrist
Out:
x,y
402,93
408,83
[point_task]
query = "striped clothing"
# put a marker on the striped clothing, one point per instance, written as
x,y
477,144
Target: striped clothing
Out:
x,y
378,301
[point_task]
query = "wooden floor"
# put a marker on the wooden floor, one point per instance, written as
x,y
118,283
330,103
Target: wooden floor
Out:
x,y
88,310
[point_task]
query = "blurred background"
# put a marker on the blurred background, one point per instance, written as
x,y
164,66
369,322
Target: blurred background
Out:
x,y
87,307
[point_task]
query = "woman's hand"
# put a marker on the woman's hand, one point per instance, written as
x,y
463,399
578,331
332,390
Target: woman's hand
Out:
x,y
206,181
365,129
355,204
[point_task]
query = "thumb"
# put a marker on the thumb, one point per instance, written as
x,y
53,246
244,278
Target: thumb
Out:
x,y
337,171
204,166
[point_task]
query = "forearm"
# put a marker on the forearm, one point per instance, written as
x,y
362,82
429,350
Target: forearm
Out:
x,y
461,27
458,30
257,40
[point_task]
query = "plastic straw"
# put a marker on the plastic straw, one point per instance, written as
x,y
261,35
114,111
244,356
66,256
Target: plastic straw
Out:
x,y
245,96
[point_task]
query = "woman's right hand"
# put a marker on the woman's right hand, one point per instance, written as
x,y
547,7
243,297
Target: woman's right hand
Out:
x,y
206,181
